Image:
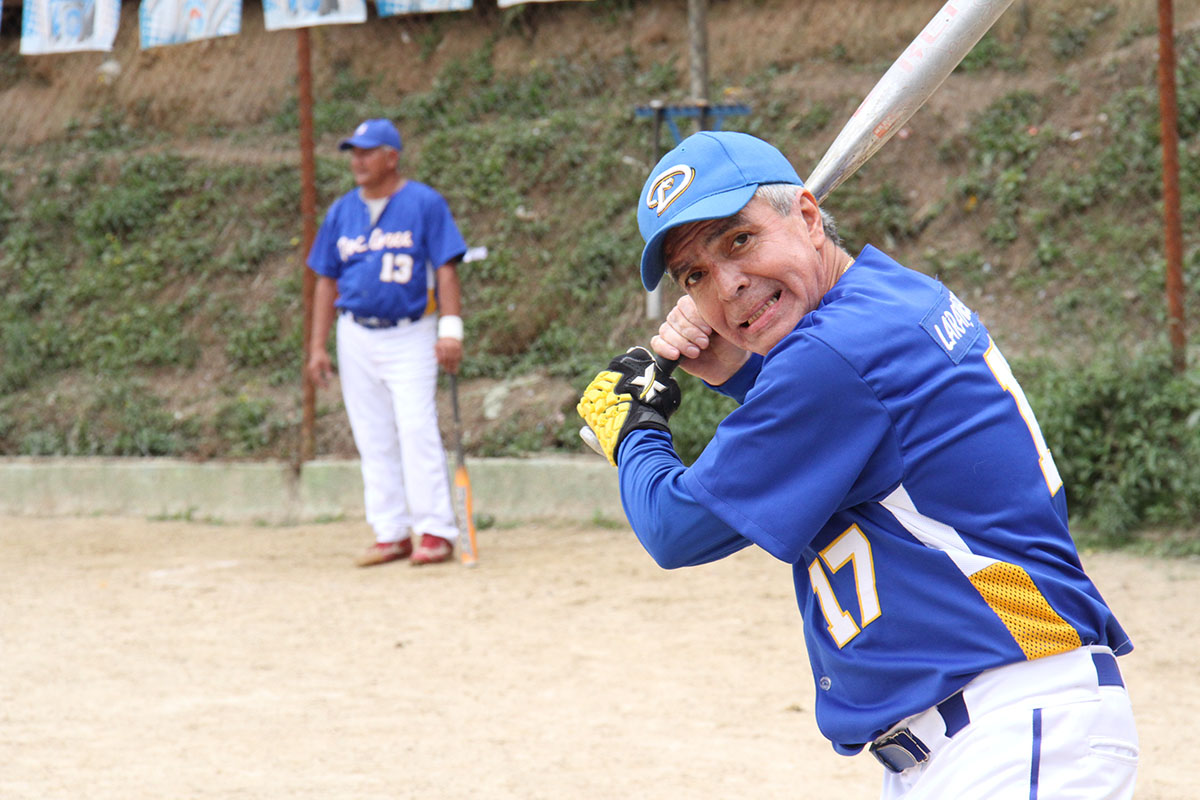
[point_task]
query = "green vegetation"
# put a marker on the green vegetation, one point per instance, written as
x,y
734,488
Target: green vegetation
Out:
x,y
1126,436
992,53
1070,36
150,302
119,270
1003,145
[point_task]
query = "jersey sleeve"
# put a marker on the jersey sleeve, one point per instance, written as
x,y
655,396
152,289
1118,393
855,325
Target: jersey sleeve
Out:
x,y
811,439
445,242
674,529
323,258
742,381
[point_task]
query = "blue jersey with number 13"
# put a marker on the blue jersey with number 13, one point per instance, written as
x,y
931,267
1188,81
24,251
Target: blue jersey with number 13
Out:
x,y
382,269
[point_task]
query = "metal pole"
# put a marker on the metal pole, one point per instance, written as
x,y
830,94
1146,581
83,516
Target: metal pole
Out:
x,y
698,69
654,296
308,213
698,73
1169,113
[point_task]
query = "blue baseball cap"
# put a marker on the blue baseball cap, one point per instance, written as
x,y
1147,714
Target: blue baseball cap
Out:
x,y
709,175
373,133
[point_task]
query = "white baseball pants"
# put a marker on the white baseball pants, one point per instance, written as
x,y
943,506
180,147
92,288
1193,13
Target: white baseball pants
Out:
x,y
1039,730
389,383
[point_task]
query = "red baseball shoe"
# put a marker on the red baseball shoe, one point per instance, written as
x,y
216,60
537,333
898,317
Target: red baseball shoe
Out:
x,y
431,550
383,552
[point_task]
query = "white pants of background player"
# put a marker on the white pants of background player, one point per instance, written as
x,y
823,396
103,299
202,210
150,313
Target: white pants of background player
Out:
x,y
389,381
1039,730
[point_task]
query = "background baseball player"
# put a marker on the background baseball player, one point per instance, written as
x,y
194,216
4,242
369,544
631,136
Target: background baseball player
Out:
x,y
387,252
884,449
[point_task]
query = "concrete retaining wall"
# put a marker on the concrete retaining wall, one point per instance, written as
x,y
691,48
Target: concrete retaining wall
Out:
x,y
580,488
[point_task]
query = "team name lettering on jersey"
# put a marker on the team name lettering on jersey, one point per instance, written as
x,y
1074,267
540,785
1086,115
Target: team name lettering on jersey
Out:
x,y
952,325
379,240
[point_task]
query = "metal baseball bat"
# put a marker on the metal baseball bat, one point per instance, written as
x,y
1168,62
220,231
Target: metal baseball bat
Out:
x,y
909,82
468,551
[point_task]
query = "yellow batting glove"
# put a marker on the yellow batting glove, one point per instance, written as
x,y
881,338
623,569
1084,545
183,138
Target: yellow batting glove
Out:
x,y
632,394
604,412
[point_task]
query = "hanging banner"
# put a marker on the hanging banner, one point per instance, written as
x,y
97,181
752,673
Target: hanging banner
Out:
x,y
391,8
510,3
165,22
281,14
68,26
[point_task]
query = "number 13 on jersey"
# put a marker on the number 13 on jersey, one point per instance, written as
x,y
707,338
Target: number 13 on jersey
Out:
x,y
396,268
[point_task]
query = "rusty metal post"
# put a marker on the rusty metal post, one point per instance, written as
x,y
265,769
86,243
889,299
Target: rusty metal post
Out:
x,y
1173,230
308,213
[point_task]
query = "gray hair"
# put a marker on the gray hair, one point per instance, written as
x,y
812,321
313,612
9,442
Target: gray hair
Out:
x,y
780,196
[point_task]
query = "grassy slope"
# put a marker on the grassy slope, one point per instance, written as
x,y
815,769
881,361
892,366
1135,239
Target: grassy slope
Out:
x,y
149,252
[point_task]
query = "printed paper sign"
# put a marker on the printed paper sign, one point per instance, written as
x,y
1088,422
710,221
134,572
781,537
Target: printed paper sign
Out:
x,y
165,22
281,14
390,8
509,3
67,26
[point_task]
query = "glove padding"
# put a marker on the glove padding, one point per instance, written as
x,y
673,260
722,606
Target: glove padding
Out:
x,y
632,394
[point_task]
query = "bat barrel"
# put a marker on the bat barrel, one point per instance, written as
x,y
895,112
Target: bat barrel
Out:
x,y
916,74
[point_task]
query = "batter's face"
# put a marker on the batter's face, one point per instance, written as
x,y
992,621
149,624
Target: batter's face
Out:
x,y
374,169
754,275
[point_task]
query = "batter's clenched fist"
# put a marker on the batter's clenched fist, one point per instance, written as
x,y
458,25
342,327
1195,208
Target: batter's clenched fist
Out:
x,y
701,351
632,394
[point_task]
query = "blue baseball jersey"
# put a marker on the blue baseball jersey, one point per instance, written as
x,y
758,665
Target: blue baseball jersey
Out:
x,y
385,269
884,449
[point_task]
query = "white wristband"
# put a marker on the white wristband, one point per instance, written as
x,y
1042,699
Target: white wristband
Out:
x,y
450,327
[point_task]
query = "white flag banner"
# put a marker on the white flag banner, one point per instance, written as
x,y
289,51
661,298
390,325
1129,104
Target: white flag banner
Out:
x,y
165,22
281,14
510,3
391,8
68,26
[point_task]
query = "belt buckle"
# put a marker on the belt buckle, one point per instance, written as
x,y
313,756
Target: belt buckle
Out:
x,y
374,322
900,750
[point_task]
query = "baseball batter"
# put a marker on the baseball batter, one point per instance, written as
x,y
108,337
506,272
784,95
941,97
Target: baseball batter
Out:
x,y
884,449
387,251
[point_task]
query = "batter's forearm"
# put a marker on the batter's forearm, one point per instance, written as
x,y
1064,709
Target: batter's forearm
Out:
x,y
675,529
322,321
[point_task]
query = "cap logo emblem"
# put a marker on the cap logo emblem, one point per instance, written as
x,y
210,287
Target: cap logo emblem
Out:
x,y
667,186
361,129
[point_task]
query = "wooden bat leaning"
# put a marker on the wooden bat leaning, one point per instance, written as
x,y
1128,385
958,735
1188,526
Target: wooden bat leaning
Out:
x,y
909,82
468,550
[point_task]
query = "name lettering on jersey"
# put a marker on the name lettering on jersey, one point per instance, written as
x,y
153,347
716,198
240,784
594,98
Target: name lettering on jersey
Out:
x,y
378,240
667,186
952,325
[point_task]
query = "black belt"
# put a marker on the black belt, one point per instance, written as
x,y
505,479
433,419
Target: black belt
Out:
x,y
903,749
379,322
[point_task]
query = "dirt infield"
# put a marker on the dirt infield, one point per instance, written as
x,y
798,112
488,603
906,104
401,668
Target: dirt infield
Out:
x,y
177,660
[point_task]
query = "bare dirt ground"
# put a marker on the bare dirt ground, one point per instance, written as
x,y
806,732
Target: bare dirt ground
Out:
x,y
147,659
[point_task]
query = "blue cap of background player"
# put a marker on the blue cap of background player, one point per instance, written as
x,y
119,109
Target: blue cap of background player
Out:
x,y
709,175
373,133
